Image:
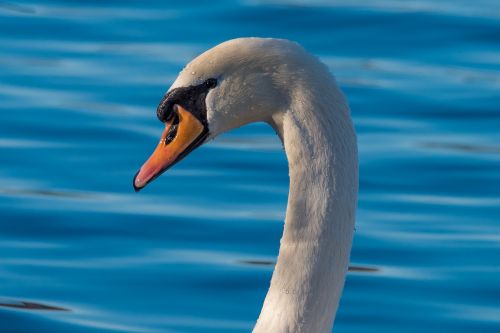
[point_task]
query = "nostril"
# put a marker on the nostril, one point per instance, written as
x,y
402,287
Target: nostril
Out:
x,y
172,131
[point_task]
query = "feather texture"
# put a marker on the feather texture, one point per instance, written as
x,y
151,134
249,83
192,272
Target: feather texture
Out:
x,y
278,82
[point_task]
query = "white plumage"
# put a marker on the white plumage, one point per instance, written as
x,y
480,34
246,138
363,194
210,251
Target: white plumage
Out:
x,y
278,82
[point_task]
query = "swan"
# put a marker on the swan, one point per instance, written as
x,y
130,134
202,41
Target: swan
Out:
x,y
276,81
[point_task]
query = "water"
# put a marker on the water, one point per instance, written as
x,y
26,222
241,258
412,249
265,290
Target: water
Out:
x,y
79,84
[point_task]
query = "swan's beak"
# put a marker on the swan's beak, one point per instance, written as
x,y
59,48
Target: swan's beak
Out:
x,y
183,133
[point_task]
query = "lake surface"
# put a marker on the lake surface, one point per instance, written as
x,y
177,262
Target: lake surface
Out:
x,y
81,252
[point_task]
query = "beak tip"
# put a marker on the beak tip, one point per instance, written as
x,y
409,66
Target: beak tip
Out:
x,y
136,188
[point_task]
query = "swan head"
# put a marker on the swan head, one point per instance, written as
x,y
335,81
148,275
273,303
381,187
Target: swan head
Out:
x,y
235,83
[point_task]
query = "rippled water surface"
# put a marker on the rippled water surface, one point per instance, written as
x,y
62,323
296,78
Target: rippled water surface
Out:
x,y
81,252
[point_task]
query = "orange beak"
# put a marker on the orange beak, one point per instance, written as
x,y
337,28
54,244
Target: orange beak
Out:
x,y
183,133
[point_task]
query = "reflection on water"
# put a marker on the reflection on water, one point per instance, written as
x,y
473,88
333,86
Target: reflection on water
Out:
x,y
16,8
357,269
43,192
29,305
463,147
79,85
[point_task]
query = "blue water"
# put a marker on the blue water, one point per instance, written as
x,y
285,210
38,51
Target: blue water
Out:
x,y
79,84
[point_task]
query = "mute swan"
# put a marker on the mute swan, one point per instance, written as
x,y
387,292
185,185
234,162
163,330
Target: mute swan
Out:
x,y
276,81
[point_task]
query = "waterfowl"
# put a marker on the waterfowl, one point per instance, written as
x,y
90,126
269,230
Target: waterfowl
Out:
x,y
276,81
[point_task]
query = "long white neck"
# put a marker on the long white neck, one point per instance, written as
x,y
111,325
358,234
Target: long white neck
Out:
x,y
309,276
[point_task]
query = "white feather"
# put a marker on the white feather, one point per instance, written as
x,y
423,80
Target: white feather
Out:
x,y
278,82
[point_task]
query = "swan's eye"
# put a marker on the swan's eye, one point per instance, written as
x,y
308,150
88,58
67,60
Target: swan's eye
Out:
x,y
211,83
172,131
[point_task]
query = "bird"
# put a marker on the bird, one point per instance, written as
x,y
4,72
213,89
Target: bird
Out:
x,y
278,82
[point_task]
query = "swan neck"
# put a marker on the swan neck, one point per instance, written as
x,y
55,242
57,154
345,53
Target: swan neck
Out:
x,y
314,253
